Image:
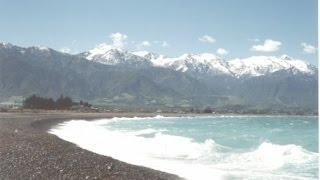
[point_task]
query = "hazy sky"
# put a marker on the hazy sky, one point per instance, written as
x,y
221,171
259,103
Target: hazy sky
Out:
x,y
240,28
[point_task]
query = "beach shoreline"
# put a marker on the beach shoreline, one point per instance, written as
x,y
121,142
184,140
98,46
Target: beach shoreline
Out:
x,y
28,151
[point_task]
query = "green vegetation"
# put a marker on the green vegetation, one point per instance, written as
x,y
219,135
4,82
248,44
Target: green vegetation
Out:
x,y
62,103
66,103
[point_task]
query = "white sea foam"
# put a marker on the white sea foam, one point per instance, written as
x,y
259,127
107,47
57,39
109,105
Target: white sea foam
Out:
x,y
268,157
183,156
147,131
114,119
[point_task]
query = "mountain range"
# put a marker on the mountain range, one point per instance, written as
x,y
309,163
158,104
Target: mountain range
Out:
x,y
205,63
109,76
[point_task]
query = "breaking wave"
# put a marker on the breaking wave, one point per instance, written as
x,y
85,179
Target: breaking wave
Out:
x,y
187,158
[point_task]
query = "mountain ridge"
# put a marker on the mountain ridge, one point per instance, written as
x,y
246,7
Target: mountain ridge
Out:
x,y
47,72
203,63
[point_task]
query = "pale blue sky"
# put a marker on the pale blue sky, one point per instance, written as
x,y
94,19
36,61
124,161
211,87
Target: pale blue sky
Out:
x,y
234,24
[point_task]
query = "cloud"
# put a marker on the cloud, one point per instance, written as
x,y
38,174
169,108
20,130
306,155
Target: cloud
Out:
x,y
207,39
222,51
269,45
309,49
118,40
143,45
164,44
65,50
161,43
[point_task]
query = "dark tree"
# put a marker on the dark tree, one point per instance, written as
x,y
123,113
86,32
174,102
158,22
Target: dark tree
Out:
x,y
37,102
207,110
64,102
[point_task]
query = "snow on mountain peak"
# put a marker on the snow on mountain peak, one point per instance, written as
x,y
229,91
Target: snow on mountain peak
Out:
x,y
141,53
205,63
286,57
206,56
185,56
199,58
261,65
100,50
5,45
42,48
202,63
36,49
107,54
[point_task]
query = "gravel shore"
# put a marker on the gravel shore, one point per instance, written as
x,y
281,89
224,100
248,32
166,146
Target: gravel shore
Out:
x,y
27,151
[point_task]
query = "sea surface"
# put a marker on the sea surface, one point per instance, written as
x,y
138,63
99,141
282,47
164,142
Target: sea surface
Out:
x,y
206,148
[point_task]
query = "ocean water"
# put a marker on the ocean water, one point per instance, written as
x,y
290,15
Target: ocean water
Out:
x,y
206,148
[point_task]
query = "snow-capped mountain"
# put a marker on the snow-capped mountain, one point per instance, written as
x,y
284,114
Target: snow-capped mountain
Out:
x,y
188,80
262,65
198,64
112,56
204,63
147,55
5,45
41,50
194,63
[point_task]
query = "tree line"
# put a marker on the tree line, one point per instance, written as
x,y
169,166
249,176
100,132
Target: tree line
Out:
x,y
38,102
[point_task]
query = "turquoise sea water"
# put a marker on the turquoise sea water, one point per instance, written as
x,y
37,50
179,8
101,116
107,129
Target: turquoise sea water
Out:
x,y
217,147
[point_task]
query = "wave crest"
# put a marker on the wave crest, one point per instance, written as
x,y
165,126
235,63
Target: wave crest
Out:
x,y
184,156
